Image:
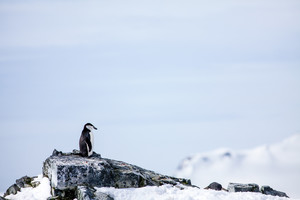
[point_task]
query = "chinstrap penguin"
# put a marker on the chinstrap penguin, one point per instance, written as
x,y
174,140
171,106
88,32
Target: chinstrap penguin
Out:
x,y
86,141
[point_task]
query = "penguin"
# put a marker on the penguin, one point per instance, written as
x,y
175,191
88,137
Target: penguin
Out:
x,y
86,141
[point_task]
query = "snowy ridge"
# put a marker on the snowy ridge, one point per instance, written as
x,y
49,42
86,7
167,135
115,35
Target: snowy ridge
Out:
x,y
277,165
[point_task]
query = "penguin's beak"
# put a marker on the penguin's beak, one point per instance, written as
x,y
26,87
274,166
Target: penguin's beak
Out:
x,y
95,128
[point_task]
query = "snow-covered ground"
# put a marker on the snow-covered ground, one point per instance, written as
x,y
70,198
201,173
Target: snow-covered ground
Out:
x,y
276,165
165,192
168,192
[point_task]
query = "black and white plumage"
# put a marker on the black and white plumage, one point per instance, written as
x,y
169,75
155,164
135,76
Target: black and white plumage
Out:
x,y
86,141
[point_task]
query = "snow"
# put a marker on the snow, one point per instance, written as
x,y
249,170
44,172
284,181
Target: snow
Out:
x,y
168,192
276,165
41,192
165,192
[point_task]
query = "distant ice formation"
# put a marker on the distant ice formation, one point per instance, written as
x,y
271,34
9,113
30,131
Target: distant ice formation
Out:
x,y
277,165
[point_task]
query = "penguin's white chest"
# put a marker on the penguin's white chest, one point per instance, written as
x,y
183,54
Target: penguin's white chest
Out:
x,y
90,151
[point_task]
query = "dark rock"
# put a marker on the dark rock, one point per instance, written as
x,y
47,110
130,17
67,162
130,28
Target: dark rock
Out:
x,y
2,198
12,190
74,152
67,171
214,186
24,182
35,183
56,153
85,193
269,191
89,193
238,187
67,194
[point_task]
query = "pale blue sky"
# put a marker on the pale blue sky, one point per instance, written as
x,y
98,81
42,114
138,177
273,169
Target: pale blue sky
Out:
x,y
159,79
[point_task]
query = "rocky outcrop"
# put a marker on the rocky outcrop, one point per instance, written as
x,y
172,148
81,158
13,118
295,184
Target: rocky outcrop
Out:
x,y
238,187
67,171
214,186
23,182
269,191
13,189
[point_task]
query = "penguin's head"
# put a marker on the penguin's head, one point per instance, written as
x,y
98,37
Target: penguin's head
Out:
x,y
90,126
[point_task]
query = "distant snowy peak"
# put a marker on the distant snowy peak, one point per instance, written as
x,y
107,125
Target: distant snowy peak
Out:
x,y
276,165
206,159
287,151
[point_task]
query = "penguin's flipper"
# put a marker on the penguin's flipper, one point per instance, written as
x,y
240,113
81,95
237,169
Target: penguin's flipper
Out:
x,y
83,146
88,141
83,149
